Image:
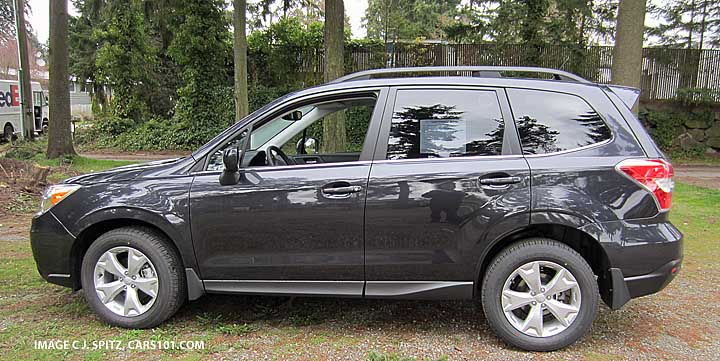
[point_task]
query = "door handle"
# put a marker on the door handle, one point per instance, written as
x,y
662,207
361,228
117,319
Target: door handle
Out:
x,y
342,190
500,181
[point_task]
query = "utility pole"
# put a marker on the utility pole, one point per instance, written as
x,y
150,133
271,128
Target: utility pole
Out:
x,y
27,123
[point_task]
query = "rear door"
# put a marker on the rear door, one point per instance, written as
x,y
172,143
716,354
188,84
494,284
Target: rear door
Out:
x,y
447,179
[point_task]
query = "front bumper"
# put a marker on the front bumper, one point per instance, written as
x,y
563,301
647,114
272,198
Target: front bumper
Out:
x,y
52,246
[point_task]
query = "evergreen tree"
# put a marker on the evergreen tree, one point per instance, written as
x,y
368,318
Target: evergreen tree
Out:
x,y
692,24
393,20
202,48
126,58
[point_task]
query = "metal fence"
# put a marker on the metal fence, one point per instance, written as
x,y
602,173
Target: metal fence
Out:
x,y
664,70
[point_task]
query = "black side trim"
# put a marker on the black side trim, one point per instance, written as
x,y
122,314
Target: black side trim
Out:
x,y
282,287
195,286
419,290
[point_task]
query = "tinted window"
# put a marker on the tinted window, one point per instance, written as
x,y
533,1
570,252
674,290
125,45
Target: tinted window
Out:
x,y
445,123
552,122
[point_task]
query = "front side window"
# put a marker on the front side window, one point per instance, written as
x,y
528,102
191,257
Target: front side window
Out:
x,y
552,122
323,132
445,123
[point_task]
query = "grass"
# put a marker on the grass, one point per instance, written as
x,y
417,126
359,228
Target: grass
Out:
x,y
703,160
32,310
60,168
696,213
80,164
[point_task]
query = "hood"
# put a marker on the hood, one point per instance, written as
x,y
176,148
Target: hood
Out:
x,y
124,173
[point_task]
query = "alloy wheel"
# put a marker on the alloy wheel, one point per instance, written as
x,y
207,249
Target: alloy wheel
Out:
x,y
126,281
541,298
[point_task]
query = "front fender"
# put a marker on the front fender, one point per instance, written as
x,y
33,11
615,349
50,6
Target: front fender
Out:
x,y
161,203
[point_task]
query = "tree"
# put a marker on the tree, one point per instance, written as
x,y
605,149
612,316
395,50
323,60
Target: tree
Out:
x,y
693,24
627,54
59,136
202,49
83,40
127,59
393,20
334,125
7,20
240,58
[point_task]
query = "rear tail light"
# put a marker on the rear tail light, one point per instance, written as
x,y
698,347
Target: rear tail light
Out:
x,y
653,174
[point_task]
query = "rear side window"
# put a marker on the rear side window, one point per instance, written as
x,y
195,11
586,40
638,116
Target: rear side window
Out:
x,y
552,122
445,123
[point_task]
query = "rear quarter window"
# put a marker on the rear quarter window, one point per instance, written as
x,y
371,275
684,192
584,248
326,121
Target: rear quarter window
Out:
x,y
549,122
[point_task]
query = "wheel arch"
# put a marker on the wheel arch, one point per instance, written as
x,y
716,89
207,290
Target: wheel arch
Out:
x,y
583,243
91,233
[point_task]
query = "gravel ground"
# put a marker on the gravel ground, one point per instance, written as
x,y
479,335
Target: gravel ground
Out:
x,y
680,323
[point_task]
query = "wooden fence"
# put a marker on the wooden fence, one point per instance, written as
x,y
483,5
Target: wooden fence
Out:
x,y
664,70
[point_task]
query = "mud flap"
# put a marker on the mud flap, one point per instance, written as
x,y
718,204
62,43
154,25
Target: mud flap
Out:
x,y
613,290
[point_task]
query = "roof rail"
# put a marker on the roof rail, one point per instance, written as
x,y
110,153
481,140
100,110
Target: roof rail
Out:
x,y
478,71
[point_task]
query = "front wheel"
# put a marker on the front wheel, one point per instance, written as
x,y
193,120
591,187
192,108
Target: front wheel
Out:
x,y
539,295
133,278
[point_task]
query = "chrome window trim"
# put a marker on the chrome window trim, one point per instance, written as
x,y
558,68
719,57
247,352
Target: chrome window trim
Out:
x,y
585,147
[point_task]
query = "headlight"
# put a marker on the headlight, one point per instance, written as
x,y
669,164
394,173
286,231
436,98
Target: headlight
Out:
x,y
54,194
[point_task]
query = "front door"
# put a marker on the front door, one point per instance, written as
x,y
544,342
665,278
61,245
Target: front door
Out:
x,y
295,226
448,179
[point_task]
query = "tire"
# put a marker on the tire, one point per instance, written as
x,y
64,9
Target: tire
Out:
x,y
504,273
8,133
164,265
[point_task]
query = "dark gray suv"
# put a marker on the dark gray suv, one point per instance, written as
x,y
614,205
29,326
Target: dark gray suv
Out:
x,y
536,196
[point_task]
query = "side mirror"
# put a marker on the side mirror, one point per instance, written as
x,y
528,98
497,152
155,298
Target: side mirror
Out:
x,y
231,160
294,115
308,147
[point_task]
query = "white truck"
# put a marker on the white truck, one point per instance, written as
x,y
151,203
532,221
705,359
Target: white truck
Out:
x,y
10,108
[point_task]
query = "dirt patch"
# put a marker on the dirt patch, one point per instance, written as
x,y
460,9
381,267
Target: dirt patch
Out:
x,y
21,185
702,176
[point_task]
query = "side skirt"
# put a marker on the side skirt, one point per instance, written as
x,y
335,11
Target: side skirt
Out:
x,y
428,290
289,288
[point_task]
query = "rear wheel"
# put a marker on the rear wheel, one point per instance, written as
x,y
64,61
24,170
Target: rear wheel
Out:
x,y
539,295
133,278
8,132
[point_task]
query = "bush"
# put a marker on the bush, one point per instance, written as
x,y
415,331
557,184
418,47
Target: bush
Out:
x,y
113,125
666,128
697,96
26,150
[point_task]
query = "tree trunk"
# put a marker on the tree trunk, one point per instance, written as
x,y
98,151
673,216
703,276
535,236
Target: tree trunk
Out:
x,y
240,53
627,54
59,137
27,112
334,124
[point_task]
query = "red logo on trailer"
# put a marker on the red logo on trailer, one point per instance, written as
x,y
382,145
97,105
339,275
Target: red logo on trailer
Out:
x,y
14,95
11,98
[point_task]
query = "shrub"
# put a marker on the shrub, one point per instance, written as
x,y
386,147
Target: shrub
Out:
x,y
113,125
697,96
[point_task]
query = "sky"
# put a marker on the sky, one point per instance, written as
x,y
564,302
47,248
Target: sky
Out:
x,y
354,9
